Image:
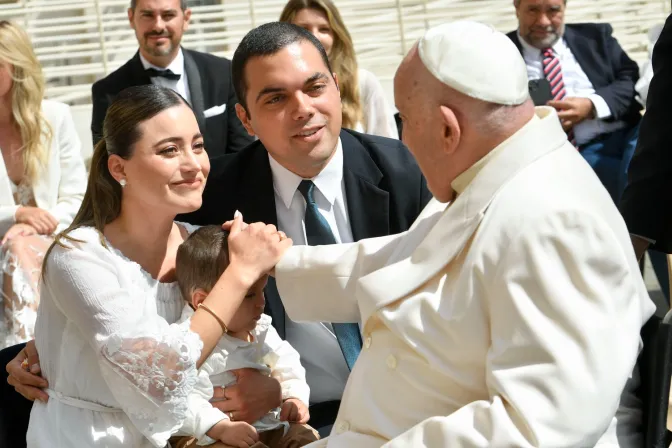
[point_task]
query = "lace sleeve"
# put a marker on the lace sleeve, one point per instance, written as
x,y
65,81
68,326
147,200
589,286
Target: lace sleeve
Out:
x,y
149,365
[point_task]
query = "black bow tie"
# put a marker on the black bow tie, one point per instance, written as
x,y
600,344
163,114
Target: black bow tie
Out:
x,y
168,74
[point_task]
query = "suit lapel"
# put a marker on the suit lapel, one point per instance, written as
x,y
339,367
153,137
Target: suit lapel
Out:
x,y
368,205
195,88
140,77
255,193
41,188
256,201
431,247
514,38
6,196
584,52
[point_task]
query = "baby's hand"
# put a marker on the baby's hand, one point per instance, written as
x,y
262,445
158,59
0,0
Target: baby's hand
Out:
x,y
234,434
295,411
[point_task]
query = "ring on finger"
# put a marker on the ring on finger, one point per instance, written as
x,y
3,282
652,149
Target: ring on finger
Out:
x,y
231,416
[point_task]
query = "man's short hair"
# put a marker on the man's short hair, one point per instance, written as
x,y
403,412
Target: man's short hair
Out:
x,y
201,259
267,40
183,4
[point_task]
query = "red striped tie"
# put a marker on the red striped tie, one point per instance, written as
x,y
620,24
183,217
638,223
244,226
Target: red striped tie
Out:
x,y
553,73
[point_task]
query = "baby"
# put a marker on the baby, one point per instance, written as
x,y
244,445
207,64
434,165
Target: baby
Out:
x,y
251,342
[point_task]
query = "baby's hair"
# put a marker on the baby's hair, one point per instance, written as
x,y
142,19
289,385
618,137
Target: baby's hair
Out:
x,y
201,259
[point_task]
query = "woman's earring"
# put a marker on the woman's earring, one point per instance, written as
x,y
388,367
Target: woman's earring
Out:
x,y
122,182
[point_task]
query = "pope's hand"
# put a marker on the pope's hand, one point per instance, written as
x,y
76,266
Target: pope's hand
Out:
x,y
254,249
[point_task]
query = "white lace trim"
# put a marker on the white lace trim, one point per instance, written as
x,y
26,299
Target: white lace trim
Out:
x,y
163,369
164,292
17,314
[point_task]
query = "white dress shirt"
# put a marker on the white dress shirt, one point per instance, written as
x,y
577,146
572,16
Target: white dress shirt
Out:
x,y
180,86
577,84
321,356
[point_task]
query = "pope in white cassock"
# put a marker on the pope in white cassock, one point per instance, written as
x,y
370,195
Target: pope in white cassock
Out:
x,y
511,316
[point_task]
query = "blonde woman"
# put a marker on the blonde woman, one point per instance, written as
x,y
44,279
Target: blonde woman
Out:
x,y
365,108
42,180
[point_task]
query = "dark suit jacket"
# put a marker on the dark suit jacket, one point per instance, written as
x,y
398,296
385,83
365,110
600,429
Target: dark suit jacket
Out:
x,y
385,192
647,201
209,79
610,70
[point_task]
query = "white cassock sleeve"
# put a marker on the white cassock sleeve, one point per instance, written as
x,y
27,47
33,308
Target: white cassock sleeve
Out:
x,y
329,273
566,308
148,364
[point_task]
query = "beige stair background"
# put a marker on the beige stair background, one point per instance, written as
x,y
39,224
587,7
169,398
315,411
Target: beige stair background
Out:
x,y
80,41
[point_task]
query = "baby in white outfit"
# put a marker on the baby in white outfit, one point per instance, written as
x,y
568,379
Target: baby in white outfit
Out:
x,y
251,342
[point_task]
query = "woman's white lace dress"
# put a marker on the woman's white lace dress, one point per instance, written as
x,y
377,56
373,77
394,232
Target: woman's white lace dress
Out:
x,y
119,369
21,296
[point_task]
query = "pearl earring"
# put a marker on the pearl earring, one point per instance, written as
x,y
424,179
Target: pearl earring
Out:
x,y
122,182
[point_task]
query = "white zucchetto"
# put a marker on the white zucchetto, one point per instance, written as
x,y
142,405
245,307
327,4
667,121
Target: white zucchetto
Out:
x,y
476,60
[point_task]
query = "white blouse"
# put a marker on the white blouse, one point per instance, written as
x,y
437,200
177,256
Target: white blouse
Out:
x,y
378,116
119,369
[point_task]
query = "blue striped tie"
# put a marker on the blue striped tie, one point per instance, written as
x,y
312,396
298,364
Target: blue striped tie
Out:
x,y
319,233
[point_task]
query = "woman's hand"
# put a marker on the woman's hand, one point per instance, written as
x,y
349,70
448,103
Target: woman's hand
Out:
x,y
24,371
18,230
255,249
41,220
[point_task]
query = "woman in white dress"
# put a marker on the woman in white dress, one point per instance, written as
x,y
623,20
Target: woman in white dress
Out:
x,y
365,108
42,180
119,369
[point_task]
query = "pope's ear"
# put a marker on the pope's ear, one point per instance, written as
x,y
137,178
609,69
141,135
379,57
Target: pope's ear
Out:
x,y
451,132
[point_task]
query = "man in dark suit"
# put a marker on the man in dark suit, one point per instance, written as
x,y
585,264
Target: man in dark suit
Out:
x,y
592,85
202,79
647,201
318,183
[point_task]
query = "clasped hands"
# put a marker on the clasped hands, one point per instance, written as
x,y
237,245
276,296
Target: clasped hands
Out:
x,y
256,247
572,111
31,221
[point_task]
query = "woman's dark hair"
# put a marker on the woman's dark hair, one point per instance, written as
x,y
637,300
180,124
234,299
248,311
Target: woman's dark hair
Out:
x,y
121,131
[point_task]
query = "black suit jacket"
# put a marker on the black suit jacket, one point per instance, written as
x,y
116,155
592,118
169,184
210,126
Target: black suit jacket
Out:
x,y
610,70
385,192
209,79
647,201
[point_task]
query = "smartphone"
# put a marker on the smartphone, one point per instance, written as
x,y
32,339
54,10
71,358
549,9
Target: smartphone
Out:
x,y
540,91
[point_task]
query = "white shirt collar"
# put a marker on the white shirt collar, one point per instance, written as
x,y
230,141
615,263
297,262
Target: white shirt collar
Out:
x,y
177,66
328,181
529,50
